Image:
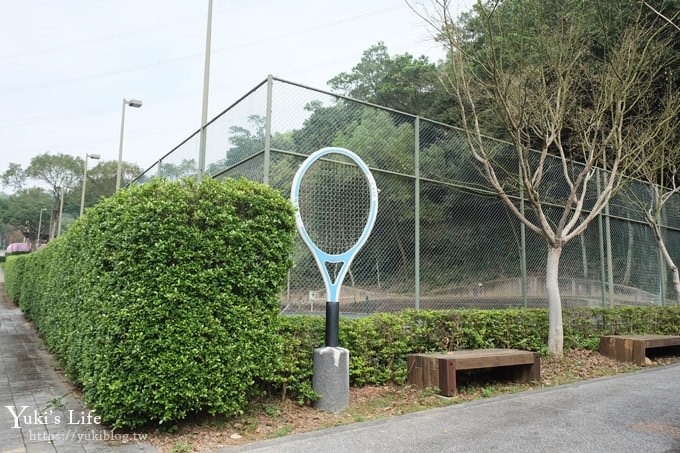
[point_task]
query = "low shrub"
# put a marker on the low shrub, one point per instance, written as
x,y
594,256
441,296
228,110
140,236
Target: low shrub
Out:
x,y
379,344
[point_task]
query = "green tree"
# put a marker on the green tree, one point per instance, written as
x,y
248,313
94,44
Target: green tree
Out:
x,y
385,144
101,183
61,170
103,176
56,171
186,167
325,123
517,23
21,210
14,176
247,143
401,82
9,235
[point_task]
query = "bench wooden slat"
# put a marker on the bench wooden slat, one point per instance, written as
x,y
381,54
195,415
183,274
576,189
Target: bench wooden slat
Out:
x,y
486,358
494,361
662,342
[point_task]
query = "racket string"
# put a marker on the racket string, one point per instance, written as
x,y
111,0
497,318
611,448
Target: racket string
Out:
x,y
334,202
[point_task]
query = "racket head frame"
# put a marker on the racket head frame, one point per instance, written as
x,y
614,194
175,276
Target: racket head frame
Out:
x,y
320,256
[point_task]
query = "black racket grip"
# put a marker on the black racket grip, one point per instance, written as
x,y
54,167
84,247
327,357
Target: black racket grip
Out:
x,y
332,324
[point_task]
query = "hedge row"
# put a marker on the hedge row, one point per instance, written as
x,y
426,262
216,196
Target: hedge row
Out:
x,y
14,270
7,255
379,344
163,299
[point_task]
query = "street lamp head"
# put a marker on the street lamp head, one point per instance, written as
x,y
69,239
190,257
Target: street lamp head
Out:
x,y
136,103
94,156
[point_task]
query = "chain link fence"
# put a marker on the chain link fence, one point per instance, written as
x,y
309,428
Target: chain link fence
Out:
x,y
442,238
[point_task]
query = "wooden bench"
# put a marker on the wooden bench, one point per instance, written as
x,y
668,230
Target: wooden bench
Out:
x,y
439,369
635,348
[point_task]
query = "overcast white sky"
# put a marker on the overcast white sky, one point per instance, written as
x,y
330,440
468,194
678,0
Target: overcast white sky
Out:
x,y
66,65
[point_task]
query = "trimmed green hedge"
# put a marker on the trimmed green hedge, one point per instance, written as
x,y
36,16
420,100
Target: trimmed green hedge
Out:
x,y
379,343
14,271
163,299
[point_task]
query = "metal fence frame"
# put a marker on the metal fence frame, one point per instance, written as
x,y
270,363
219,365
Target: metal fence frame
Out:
x,y
268,150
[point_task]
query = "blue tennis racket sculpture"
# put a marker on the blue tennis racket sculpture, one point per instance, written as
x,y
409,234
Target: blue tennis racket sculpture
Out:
x,y
336,204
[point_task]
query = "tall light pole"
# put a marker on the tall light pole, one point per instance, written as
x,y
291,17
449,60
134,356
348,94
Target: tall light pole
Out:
x,y
61,210
206,86
136,103
50,236
82,195
37,242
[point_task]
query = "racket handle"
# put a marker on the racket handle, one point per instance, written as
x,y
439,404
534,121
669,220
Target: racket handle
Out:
x,y
332,324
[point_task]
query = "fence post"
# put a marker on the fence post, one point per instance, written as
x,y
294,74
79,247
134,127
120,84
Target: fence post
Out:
x,y
268,131
416,217
601,242
288,289
662,262
523,239
610,271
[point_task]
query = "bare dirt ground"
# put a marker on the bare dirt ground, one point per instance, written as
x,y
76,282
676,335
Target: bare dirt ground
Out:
x,y
274,417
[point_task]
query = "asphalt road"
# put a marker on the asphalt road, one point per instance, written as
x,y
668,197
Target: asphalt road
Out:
x,y
637,412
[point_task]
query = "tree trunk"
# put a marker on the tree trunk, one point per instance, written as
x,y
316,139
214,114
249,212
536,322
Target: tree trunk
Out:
x,y
402,252
54,218
676,282
667,258
555,330
53,226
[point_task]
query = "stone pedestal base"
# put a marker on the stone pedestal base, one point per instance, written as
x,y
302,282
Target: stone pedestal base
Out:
x,y
331,378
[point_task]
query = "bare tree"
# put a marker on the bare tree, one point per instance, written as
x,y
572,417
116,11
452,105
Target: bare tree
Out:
x,y
660,135
535,72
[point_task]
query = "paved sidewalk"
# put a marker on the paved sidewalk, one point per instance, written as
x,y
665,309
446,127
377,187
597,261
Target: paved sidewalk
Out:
x,y
637,412
30,386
